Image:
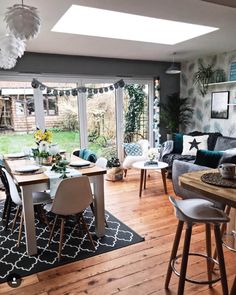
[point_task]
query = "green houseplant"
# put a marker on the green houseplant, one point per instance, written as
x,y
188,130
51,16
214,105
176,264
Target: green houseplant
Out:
x,y
207,74
174,112
114,171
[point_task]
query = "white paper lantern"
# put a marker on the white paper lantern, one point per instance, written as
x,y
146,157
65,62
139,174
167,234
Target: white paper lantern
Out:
x,y
11,46
7,62
23,21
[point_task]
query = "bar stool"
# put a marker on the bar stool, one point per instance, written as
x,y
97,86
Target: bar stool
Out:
x,y
191,211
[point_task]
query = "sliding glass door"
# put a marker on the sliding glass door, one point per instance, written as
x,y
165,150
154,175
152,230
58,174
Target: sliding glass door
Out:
x,y
98,120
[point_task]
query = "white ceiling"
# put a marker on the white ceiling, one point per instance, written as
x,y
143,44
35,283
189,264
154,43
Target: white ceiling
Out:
x,y
190,11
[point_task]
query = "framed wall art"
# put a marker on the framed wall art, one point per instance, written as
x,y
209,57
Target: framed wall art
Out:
x,y
220,105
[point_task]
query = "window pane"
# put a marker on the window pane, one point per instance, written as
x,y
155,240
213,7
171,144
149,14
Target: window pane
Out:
x,y
135,112
101,121
61,116
30,108
16,127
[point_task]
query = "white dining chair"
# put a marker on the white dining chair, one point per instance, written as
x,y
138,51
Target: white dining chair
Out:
x,y
72,197
38,199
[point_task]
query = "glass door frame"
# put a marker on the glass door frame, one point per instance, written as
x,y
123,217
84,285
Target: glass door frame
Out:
x,y
81,101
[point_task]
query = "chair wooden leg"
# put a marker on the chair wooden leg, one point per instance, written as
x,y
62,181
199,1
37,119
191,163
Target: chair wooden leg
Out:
x,y
8,212
6,205
184,263
174,252
125,172
42,216
145,179
221,259
222,230
20,229
15,218
233,288
52,230
209,253
87,231
61,237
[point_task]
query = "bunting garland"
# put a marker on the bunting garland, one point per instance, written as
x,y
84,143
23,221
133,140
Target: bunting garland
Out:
x,y
74,91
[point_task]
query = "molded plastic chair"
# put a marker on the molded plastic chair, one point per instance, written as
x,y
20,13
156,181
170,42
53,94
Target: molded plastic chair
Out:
x,y
193,211
101,162
72,197
38,199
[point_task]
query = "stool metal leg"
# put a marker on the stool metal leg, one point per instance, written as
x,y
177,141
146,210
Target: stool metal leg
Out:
x,y
208,250
221,259
174,252
184,263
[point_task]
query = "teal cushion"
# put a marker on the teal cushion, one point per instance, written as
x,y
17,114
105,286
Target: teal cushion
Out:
x,y
178,143
208,158
88,155
133,149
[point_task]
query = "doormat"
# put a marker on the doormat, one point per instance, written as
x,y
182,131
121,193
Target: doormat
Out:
x,y
76,244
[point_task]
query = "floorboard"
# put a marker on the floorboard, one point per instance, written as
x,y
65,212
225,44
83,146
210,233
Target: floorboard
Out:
x,y
138,269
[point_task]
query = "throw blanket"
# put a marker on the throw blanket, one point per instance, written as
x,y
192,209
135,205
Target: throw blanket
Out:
x,y
167,148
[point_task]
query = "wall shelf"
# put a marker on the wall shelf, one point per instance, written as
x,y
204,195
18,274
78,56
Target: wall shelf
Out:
x,y
222,83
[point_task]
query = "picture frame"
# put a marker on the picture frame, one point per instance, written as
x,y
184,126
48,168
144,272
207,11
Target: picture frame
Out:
x,y
220,105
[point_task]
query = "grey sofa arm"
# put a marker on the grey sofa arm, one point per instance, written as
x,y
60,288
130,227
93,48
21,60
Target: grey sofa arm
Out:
x,y
166,148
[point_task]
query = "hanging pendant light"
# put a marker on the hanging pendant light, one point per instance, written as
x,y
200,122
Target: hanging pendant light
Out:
x,y
11,46
173,69
23,21
7,62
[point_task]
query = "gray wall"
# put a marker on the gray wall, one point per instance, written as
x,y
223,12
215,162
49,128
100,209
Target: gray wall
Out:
x,y
82,65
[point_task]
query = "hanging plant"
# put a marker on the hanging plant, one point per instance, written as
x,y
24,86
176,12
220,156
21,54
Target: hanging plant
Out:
x,y
203,77
206,75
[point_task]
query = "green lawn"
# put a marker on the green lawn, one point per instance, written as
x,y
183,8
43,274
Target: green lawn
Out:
x,y
10,143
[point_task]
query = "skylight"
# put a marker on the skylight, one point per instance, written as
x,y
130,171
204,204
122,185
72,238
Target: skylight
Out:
x,y
118,25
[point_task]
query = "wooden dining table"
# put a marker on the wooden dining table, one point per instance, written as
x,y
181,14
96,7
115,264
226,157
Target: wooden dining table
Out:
x,y
192,182
38,182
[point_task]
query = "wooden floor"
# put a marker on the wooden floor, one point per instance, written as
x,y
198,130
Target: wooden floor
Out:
x,y
138,269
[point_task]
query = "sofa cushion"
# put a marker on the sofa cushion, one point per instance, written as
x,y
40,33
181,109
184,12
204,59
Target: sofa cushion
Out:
x,y
224,143
191,144
211,142
208,158
178,143
133,149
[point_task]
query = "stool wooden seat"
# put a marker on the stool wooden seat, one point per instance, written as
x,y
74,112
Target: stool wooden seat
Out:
x,y
192,211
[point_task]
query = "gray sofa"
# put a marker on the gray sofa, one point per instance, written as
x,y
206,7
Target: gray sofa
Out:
x,y
216,142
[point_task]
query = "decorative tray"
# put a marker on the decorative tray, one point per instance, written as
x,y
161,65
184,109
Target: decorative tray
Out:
x,y
216,179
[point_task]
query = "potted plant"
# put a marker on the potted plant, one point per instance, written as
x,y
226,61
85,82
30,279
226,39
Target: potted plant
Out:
x,y
207,74
114,171
174,112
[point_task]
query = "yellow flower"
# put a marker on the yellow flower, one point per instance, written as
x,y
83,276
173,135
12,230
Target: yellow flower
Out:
x,y
43,136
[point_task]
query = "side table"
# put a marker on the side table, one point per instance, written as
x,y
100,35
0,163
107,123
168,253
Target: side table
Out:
x,y
143,168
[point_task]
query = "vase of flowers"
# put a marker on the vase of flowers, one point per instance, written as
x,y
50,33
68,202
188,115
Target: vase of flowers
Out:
x,y
42,153
152,155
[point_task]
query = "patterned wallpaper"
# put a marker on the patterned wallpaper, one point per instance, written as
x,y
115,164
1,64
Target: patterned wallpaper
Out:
x,y
202,105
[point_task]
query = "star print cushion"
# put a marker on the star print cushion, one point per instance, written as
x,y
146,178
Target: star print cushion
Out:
x,y
191,144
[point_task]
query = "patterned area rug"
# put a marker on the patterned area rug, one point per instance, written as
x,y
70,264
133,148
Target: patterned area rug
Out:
x,y
76,246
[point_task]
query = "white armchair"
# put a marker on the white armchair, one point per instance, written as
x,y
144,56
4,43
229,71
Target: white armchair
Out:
x,y
135,152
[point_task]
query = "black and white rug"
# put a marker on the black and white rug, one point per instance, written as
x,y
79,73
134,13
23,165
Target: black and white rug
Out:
x,y
76,245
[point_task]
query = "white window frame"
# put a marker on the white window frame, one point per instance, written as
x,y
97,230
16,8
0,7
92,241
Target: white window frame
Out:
x,y
81,99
